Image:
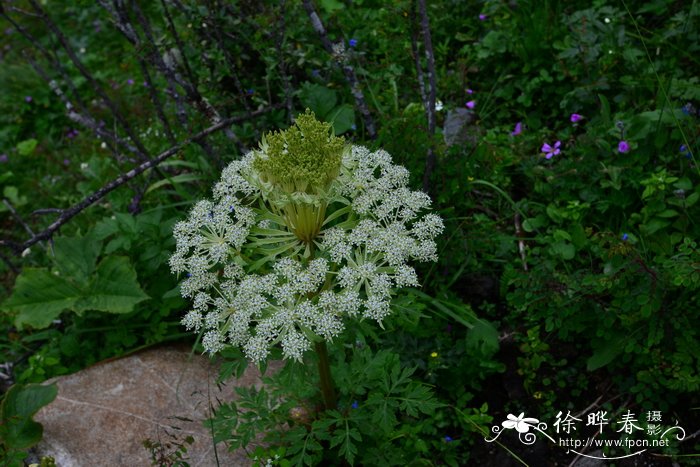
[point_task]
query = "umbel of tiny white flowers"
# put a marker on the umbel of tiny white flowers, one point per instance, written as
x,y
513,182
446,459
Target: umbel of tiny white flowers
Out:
x,y
301,235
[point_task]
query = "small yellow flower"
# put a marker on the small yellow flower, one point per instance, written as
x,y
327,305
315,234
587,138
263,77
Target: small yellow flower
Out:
x,y
538,395
434,354
471,179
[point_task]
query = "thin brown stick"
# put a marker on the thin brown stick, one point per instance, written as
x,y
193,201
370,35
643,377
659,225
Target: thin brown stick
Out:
x,y
521,242
431,158
338,52
143,153
71,212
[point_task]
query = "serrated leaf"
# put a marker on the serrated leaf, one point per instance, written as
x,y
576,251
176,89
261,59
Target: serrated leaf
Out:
x,y
76,257
115,288
39,297
483,337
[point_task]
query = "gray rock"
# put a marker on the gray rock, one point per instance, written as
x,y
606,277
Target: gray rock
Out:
x,y
457,128
103,414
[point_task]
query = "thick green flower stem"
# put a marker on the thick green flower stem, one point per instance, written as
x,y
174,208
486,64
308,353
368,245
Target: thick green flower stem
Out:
x,y
324,371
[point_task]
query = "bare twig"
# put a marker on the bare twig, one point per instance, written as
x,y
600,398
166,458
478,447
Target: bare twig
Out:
x,y
430,159
521,242
17,217
7,261
339,53
281,63
69,213
142,152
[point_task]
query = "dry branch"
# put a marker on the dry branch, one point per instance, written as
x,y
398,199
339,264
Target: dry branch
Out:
x,y
338,52
69,213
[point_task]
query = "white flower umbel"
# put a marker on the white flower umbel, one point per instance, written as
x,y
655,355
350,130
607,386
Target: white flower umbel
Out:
x,y
301,235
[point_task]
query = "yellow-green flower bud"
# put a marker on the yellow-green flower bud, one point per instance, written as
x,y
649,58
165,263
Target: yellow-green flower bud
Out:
x,y
300,163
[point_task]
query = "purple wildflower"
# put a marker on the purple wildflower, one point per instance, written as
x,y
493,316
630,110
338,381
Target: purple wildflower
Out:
x,y
448,439
575,118
66,162
518,129
471,104
130,82
551,151
250,92
352,42
685,151
623,147
470,91
4,159
28,98
625,237
355,404
482,17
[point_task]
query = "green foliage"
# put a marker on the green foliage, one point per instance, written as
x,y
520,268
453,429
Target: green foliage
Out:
x,y
172,453
17,429
77,283
380,406
324,103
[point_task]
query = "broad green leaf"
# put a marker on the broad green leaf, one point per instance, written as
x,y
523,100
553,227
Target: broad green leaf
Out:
x,y
482,337
342,118
115,288
20,404
39,297
319,99
564,249
76,257
605,352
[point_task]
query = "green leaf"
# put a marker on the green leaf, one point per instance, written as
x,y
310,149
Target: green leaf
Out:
x,y
115,289
564,249
26,147
19,405
76,257
654,225
604,352
342,118
483,337
534,223
39,297
318,98
331,5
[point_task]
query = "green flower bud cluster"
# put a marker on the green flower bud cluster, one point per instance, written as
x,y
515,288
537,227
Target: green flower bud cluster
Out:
x,y
304,158
300,164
